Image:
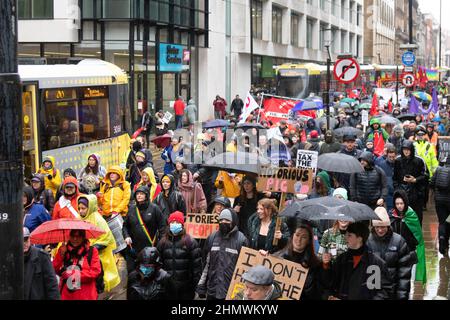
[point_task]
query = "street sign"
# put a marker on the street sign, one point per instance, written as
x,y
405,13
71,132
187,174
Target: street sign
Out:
x,y
346,70
409,69
409,58
408,80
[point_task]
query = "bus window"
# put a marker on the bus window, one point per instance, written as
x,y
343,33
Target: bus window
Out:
x,y
94,114
293,83
119,111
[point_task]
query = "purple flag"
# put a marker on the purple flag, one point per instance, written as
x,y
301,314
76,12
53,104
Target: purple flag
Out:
x,y
413,105
435,102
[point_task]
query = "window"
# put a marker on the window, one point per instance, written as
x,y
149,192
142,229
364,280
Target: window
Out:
x,y
322,5
310,2
294,29
350,11
276,24
116,9
257,19
334,8
322,37
309,33
358,15
343,9
343,41
35,9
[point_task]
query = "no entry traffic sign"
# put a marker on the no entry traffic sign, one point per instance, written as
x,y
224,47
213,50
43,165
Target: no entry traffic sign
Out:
x,y
408,80
346,70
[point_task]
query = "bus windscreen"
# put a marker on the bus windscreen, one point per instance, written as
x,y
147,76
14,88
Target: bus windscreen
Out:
x,y
293,83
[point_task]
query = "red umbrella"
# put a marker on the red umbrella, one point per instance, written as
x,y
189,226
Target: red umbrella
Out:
x,y
162,141
55,231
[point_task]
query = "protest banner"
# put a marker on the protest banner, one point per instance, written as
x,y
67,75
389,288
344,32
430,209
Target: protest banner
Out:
x,y
288,180
289,275
201,225
444,148
167,117
307,159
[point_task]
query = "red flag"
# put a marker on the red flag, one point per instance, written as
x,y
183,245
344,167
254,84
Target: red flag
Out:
x,y
390,106
276,109
364,90
374,109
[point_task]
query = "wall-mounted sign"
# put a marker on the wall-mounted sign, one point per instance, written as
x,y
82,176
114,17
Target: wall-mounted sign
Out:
x,y
170,57
186,55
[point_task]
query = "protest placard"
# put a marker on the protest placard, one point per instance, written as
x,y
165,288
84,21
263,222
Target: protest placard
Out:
x,y
444,148
289,180
365,118
307,159
289,275
201,225
167,117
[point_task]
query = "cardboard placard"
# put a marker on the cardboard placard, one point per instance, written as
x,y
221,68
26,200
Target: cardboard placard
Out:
x,y
307,159
365,118
444,148
167,117
288,180
289,275
201,225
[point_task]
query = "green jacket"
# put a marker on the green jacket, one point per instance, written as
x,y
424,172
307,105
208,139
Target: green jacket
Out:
x,y
412,222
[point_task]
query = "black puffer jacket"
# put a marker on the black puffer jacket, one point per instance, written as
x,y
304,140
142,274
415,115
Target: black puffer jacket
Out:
x,y
44,196
222,253
413,166
181,258
153,220
368,186
173,202
441,178
393,249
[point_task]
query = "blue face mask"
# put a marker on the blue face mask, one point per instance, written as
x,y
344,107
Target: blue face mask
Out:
x,y
176,228
146,271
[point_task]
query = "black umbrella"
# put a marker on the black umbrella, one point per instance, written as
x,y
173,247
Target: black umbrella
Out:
x,y
408,116
333,121
239,162
247,125
219,123
348,131
388,120
329,208
339,162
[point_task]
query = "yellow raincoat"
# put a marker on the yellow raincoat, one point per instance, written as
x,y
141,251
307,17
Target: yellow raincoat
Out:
x,y
54,183
155,186
114,198
111,274
230,186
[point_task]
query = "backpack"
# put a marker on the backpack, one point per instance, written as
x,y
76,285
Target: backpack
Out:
x,y
443,178
99,282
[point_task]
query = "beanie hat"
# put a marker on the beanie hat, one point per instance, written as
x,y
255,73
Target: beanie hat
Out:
x,y
166,178
383,215
250,179
226,215
84,201
314,134
140,154
341,192
177,216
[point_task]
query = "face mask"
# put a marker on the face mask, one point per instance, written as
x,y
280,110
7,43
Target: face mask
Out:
x,y
146,271
176,228
225,228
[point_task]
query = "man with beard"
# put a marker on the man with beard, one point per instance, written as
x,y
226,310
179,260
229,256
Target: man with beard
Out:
x,y
222,251
330,145
369,187
144,225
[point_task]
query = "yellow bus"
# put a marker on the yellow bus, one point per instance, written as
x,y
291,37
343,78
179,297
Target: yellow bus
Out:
x,y
73,110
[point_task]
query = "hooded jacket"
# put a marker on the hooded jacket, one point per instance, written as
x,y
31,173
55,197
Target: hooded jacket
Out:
x,y
370,185
221,254
329,146
353,121
114,198
413,166
182,259
393,249
153,219
101,170
193,195
44,196
34,214
154,187
105,243
174,201
191,112
67,208
408,226
54,182
311,126
426,151
379,136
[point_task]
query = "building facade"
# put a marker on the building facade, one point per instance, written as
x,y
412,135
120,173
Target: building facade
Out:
x,y
133,34
379,31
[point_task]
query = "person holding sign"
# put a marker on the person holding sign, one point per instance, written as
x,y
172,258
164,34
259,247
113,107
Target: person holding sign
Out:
x,y
262,229
181,258
300,249
259,282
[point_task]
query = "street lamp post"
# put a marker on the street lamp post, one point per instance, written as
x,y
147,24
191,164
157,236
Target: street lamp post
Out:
x,y
327,96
